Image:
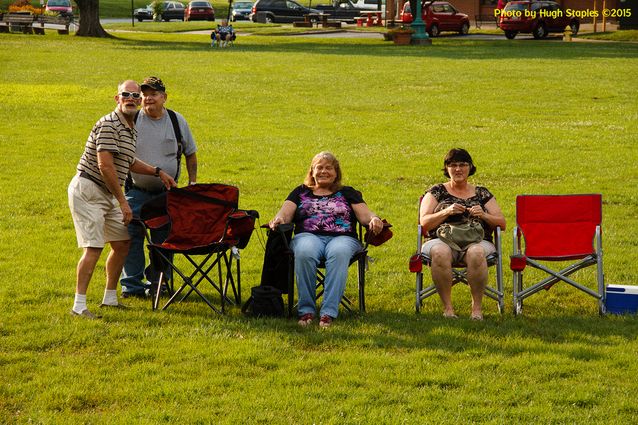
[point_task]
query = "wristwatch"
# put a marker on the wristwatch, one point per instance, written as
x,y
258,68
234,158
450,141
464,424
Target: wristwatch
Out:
x,y
157,171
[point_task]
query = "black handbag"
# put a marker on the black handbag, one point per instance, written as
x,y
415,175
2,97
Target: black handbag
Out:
x,y
264,301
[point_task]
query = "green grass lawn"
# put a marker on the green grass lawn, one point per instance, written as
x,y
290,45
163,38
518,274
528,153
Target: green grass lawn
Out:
x,y
538,117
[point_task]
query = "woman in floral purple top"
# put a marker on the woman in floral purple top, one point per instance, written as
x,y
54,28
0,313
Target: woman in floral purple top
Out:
x,y
325,214
450,202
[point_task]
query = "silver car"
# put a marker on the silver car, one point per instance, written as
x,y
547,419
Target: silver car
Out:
x,y
241,10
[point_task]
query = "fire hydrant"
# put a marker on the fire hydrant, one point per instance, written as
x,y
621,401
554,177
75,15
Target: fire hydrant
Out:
x,y
567,35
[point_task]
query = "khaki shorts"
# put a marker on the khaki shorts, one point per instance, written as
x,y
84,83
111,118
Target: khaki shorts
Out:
x,y
97,216
458,257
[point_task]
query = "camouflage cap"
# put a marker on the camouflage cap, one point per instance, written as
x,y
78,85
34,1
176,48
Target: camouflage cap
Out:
x,y
153,83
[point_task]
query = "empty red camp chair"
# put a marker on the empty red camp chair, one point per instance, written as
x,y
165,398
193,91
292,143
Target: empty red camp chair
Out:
x,y
459,271
205,226
557,228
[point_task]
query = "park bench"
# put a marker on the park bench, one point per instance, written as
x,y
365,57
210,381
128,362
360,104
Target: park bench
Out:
x,y
59,23
27,23
484,19
18,22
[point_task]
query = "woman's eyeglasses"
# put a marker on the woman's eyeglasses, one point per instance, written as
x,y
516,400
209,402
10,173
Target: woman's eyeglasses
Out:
x,y
458,165
127,94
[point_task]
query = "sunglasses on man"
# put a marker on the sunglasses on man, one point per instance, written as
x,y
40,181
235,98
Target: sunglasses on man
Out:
x,y
134,95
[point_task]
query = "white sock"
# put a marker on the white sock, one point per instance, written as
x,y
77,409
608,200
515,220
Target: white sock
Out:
x,y
79,305
110,297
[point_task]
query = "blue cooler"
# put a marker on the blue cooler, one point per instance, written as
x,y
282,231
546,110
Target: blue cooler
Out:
x,y
622,299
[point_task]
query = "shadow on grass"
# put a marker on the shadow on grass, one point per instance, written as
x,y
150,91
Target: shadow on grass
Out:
x,y
572,335
451,49
576,337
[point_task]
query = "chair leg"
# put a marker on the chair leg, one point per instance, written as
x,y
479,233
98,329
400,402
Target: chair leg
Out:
x,y
362,285
419,288
517,281
600,277
155,297
238,295
291,284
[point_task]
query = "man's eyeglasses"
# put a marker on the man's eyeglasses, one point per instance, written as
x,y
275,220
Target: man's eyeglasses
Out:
x,y
127,94
458,165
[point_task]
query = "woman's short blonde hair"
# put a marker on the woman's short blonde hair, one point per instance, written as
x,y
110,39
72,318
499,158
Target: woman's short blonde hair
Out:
x,y
310,180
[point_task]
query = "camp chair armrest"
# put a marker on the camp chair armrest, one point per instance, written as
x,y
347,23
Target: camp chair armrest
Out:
x,y
370,238
283,228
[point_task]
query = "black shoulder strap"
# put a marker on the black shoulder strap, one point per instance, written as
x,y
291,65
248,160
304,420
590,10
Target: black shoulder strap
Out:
x,y
178,136
128,183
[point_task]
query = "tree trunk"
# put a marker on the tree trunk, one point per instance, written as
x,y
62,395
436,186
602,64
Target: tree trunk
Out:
x,y
90,25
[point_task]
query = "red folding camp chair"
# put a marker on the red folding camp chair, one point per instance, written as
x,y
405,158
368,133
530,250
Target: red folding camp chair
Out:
x,y
557,228
459,271
205,224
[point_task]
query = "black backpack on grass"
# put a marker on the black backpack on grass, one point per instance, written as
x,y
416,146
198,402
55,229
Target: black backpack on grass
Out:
x,y
267,298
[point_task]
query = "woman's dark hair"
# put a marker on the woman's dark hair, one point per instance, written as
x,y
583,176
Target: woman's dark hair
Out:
x,y
458,155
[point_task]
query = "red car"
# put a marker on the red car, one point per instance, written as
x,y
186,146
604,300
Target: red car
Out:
x,y
201,10
536,17
439,16
63,7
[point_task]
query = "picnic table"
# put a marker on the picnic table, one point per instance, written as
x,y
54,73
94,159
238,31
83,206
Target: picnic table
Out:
x,y
317,18
371,17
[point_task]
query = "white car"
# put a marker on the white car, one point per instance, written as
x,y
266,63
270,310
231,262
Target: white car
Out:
x,y
369,4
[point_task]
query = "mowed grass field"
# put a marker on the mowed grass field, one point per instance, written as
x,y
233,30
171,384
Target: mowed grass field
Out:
x,y
538,118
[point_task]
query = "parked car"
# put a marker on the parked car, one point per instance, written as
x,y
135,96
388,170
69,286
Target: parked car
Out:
x,y
439,16
143,13
241,10
536,17
201,10
170,10
63,7
341,10
269,11
369,4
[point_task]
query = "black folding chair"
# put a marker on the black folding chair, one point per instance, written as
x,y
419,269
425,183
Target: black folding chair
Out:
x,y
360,258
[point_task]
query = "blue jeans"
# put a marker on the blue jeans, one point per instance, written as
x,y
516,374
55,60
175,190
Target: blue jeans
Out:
x,y
134,272
309,250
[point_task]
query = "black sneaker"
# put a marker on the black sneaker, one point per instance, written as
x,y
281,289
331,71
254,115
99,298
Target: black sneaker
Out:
x,y
144,294
152,289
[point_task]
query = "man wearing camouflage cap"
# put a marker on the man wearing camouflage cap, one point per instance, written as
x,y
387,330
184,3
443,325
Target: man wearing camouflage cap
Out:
x,y
162,137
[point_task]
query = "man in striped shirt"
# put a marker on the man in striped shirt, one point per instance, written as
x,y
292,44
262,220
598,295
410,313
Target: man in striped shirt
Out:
x,y
99,209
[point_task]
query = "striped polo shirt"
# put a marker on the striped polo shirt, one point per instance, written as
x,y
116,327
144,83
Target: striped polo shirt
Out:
x,y
112,134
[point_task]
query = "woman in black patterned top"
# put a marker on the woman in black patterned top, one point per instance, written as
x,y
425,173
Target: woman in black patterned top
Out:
x,y
449,202
325,214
